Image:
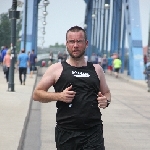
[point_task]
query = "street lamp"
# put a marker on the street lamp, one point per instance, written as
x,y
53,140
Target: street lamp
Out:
x,y
44,23
45,3
45,13
107,6
13,16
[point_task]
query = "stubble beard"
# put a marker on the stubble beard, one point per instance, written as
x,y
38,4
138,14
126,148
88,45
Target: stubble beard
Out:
x,y
76,57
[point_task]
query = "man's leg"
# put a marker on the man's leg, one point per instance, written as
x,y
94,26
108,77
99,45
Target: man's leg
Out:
x,y
20,75
94,139
24,73
31,71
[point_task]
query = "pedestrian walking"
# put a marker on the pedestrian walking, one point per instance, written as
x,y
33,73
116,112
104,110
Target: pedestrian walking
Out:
x,y
23,63
64,56
1,59
33,60
4,51
145,60
94,58
104,63
110,64
117,65
147,73
100,60
81,92
6,63
50,58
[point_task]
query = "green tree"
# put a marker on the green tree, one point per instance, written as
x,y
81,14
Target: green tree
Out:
x,y
18,29
57,45
5,29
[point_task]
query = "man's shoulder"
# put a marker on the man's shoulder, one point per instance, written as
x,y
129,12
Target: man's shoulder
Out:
x,y
33,55
97,66
57,65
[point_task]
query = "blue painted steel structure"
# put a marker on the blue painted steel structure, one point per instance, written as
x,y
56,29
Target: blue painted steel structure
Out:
x,y
136,65
32,21
107,33
107,30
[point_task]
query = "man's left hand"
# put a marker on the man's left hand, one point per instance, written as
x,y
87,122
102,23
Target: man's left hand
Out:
x,y
102,100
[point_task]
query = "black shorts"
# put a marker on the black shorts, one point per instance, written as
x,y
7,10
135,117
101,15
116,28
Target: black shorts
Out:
x,y
116,69
90,139
32,67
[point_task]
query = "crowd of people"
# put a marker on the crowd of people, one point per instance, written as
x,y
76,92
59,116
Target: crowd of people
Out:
x,y
111,64
24,62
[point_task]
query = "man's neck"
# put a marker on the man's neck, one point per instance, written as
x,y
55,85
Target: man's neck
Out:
x,y
76,62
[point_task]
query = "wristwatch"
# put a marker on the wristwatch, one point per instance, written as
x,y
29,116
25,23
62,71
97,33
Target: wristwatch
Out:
x,y
108,102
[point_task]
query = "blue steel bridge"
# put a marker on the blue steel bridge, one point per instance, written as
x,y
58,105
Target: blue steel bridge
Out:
x,y
109,24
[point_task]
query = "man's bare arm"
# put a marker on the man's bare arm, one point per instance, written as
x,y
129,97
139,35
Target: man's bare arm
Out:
x,y
41,93
104,93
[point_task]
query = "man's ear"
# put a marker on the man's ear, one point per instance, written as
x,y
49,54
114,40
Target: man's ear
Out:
x,y
87,44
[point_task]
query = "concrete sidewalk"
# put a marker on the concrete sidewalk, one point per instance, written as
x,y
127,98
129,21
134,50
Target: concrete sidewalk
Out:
x,y
127,78
14,109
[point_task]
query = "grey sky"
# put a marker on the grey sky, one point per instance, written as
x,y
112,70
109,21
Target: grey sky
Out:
x,y
62,14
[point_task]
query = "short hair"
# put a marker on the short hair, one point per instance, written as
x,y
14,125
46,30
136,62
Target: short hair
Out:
x,y
76,29
23,51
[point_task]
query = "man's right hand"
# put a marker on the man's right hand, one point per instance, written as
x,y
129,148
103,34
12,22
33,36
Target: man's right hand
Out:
x,y
67,95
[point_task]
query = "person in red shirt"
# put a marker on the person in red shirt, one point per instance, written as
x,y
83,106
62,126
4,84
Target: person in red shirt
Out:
x,y
6,62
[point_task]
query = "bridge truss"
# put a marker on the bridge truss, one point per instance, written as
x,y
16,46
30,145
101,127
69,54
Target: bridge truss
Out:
x,y
112,26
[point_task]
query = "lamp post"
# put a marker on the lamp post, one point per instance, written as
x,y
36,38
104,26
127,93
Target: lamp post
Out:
x,y
45,13
106,12
93,33
107,7
13,15
25,24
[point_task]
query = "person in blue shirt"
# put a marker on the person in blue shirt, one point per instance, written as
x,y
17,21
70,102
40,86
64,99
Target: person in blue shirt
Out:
x,y
1,60
33,59
23,63
110,64
4,52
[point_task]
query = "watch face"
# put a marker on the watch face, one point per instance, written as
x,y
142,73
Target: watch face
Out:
x,y
108,102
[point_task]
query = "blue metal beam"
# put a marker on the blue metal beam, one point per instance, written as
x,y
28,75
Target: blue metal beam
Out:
x,y
88,22
125,21
136,65
32,18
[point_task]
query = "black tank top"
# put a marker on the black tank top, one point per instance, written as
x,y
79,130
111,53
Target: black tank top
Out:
x,y
83,112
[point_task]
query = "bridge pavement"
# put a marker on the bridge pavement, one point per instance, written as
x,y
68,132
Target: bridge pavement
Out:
x,y
14,111
126,120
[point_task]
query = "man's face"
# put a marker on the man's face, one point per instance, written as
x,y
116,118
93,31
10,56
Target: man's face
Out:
x,y
76,44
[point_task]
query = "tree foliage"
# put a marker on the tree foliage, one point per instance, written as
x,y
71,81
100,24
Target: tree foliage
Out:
x,y
5,30
57,45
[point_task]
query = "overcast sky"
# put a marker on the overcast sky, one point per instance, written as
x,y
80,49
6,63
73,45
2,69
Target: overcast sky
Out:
x,y
62,14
